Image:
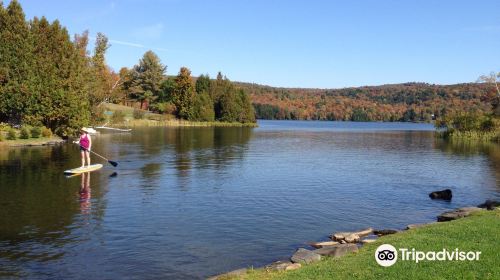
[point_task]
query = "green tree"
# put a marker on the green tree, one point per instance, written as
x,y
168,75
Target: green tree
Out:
x,y
147,77
221,87
229,107
247,114
100,72
203,84
183,94
43,74
15,62
167,89
359,115
203,107
410,115
58,88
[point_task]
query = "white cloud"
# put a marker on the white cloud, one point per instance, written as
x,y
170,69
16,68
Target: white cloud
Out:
x,y
127,43
135,45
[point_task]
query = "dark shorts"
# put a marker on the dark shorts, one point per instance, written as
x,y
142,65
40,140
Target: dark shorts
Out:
x,y
83,149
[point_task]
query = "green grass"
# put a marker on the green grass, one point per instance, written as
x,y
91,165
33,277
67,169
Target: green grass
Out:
x,y
456,135
30,141
177,122
479,232
152,119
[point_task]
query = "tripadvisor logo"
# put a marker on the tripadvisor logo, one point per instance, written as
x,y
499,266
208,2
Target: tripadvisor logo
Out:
x,y
386,255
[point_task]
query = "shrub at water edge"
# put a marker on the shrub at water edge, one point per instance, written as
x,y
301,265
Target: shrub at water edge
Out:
x,y
11,134
24,133
35,132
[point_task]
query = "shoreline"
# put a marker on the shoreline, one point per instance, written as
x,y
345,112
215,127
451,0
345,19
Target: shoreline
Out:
x,y
54,140
178,123
346,246
32,142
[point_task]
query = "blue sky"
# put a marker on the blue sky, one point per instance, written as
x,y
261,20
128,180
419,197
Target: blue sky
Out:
x,y
319,44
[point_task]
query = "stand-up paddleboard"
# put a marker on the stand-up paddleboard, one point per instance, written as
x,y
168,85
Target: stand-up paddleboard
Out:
x,y
79,170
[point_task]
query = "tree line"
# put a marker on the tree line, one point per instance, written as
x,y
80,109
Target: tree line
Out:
x,y
196,99
49,79
399,102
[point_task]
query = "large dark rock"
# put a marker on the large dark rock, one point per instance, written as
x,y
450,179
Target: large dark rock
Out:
x,y
384,232
489,204
305,256
337,250
444,194
457,214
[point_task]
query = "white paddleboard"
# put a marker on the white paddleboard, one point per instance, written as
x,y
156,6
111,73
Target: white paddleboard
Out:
x,y
92,167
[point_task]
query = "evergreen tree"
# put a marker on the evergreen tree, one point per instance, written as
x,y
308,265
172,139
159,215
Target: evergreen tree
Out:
x,y
183,94
203,84
218,89
60,80
147,78
100,72
15,62
247,114
203,108
167,89
229,106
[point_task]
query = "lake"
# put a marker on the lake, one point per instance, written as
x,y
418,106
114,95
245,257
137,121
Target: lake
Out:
x,y
187,203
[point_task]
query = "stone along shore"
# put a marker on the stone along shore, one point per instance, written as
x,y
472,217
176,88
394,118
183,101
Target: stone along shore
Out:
x,y
343,243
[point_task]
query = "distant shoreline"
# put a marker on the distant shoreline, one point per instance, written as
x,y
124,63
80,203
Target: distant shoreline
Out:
x,y
54,140
179,123
43,141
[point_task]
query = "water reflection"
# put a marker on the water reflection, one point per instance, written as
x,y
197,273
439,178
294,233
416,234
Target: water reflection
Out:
x,y
470,149
234,187
85,194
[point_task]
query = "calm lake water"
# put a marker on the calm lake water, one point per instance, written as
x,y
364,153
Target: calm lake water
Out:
x,y
187,203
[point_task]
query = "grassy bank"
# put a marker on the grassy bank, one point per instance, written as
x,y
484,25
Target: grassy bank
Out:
x,y
26,136
493,136
469,127
176,122
479,232
124,116
31,141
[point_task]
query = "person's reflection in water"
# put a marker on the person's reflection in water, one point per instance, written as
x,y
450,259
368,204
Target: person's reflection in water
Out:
x,y
85,194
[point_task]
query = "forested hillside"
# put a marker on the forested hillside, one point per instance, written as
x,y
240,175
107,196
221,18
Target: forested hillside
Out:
x,y
399,102
49,79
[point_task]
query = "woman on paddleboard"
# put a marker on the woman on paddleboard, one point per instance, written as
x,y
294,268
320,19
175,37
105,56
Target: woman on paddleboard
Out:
x,y
85,145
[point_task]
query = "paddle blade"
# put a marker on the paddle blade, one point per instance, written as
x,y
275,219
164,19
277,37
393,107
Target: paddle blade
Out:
x,y
114,163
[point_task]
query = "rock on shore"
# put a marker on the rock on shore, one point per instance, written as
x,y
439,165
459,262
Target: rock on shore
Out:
x,y
282,266
489,204
457,214
381,232
305,256
337,250
318,245
351,237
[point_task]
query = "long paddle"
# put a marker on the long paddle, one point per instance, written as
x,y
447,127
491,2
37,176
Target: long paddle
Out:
x,y
114,163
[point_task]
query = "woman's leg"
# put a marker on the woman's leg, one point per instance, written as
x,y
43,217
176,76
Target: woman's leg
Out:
x,y
82,153
87,153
